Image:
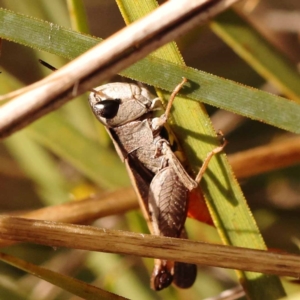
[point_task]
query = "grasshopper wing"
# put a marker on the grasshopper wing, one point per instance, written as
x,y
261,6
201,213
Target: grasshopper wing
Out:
x,y
197,208
140,178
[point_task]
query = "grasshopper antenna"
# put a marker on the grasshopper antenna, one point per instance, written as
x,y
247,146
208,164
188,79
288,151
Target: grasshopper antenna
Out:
x,y
50,67
45,64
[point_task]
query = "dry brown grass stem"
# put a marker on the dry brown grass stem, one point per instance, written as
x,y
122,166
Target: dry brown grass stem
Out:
x,y
266,158
86,210
95,239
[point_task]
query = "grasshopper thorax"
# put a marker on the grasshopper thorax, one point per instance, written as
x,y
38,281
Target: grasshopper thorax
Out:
x,y
115,104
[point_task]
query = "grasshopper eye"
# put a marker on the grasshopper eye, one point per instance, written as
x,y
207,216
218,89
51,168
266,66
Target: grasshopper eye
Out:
x,y
107,108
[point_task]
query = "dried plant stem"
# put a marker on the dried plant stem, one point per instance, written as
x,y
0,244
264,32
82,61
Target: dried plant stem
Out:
x,y
266,158
96,239
89,209
86,210
246,163
169,21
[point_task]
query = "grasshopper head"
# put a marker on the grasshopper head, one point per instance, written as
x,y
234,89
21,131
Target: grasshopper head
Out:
x,y
115,104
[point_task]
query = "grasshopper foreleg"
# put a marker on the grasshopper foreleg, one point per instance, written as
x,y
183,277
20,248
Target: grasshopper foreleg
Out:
x,y
158,123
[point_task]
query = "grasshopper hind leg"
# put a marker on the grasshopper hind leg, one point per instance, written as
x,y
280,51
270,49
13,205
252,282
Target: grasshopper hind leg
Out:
x,y
168,199
167,203
184,274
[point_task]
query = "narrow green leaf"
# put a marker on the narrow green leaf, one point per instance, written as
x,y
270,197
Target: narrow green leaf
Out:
x,y
74,286
42,9
81,113
127,282
213,90
131,13
99,164
57,134
38,164
205,87
225,199
219,92
78,16
51,186
258,53
43,35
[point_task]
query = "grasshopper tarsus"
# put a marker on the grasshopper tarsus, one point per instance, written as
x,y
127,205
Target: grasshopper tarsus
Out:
x,y
209,156
161,276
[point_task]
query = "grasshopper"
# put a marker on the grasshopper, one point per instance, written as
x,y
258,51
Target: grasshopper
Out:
x,y
160,181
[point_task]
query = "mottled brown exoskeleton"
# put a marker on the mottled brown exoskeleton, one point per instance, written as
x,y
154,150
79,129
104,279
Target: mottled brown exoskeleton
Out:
x,y
160,181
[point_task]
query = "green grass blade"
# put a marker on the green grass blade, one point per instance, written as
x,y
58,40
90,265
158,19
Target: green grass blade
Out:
x,y
75,286
55,11
97,163
258,53
126,282
51,186
78,113
78,16
226,202
222,93
59,135
131,13
219,92
43,35
206,88
39,165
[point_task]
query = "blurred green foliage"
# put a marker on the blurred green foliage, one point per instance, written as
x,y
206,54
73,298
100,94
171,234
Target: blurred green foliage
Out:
x,y
67,152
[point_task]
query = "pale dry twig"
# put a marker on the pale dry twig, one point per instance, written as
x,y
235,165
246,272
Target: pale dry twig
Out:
x,y
171,20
